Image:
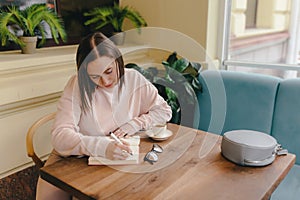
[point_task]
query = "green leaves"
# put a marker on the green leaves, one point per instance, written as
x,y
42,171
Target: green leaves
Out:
x,y
115,16
11,16
30,21
177,86
190,70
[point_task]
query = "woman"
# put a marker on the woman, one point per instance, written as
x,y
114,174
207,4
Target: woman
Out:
x,y
102,97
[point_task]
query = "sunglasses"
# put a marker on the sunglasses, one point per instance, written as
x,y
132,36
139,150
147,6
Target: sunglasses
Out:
x,y
152,156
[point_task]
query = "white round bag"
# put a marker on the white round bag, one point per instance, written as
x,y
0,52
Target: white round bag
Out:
x,y
250,148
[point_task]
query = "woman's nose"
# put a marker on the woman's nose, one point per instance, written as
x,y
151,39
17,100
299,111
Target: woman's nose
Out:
x,y
103,81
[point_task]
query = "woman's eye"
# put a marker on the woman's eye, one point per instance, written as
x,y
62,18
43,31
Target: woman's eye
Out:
x,y
108,71
95,77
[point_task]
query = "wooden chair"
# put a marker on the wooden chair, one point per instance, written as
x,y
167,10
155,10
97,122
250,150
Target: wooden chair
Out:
x,y
30,135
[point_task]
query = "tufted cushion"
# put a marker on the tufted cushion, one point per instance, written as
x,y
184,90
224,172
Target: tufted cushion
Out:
x,y
286,122
236,100
212,102
286,129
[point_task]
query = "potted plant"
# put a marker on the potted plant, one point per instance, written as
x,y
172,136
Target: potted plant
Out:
x,y
30,22
177,86
115,16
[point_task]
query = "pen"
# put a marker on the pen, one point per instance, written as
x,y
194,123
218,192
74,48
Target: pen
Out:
x,y
118,140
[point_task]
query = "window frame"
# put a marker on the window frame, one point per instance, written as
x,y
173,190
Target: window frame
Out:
x,y
224,40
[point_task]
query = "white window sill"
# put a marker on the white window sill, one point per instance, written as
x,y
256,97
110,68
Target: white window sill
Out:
x,y
251,32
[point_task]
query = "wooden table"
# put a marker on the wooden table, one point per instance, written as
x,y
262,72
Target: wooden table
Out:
x,y
191,167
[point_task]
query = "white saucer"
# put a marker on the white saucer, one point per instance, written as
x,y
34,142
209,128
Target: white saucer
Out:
x,y
161,136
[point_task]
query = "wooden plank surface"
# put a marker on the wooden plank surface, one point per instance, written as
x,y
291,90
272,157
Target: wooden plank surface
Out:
x,y
191,167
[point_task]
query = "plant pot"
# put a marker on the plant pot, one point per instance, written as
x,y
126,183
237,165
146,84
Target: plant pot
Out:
x,y
30,44
118,38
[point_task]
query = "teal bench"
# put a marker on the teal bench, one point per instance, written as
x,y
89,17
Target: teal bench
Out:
x,y
236,100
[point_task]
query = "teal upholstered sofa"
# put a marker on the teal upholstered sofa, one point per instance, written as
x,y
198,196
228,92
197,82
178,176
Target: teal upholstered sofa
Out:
x,y
237,100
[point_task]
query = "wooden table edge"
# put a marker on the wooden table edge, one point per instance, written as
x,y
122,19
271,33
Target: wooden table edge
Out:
x,y
281,177
62,185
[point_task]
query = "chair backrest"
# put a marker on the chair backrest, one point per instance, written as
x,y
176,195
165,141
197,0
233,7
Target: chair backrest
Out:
x,y
236,100
286,122
30,136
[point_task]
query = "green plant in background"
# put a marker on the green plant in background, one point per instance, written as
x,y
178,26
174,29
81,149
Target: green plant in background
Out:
x,y
177,86
29,20
114,15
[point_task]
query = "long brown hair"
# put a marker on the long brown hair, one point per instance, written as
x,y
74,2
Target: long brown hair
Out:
x,y
90,48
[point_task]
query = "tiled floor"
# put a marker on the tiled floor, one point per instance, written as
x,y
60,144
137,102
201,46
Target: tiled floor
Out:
x,y
19,186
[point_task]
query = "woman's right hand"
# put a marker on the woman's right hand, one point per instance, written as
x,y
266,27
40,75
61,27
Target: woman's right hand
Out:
x,y
116,151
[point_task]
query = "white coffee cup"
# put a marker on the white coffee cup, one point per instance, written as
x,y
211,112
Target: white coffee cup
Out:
x,y
158,129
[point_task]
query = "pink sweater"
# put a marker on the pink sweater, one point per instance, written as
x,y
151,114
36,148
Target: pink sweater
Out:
x,y
136,106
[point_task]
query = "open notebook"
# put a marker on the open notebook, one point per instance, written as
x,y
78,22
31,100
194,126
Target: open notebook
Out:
x,y
134,142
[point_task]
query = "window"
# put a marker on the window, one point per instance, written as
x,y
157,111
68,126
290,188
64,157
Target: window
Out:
x,y
251,14
262,36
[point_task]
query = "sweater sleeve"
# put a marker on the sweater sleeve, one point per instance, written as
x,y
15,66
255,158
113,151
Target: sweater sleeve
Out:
x,y
66,137
153,108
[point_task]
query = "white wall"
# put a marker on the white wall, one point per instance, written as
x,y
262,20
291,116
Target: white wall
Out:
x,y
193,18
29,88
189,16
